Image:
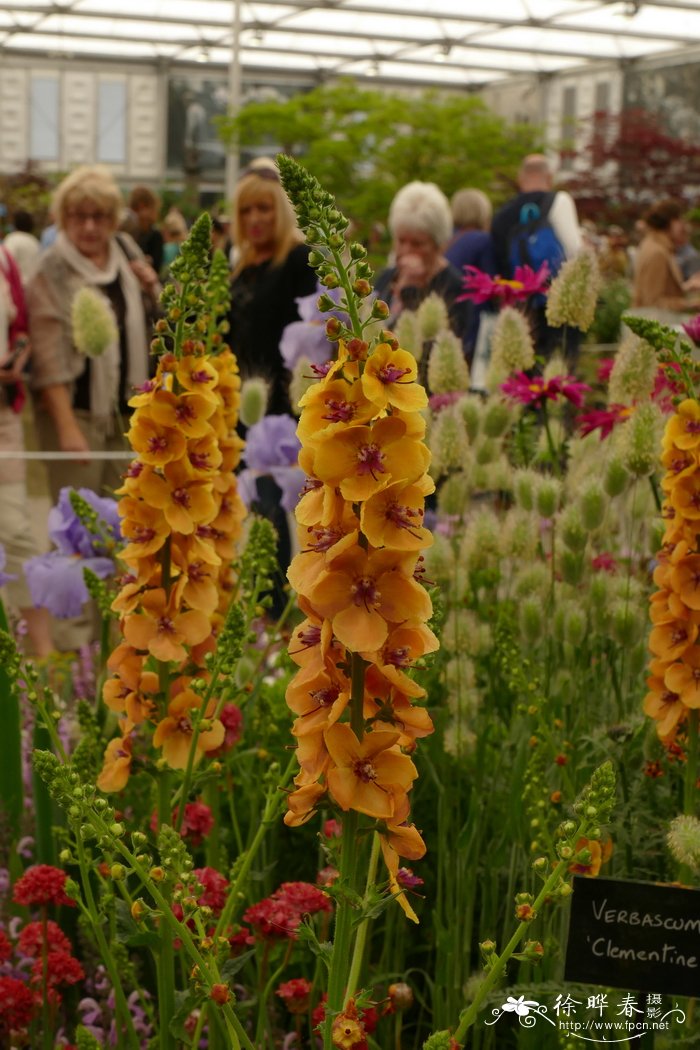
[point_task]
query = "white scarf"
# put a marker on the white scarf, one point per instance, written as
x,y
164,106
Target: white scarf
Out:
x,y
104,370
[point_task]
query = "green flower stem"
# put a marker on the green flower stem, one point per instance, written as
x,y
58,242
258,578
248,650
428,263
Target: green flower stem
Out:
x,y
89,909
350,295
691,766
265,995
363,929
273,806
550,442
165,955
499,962
208,970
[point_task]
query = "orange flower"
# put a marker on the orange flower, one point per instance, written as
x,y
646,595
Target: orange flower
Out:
x,y
174,734
393,517
185,502
670,640
389,379
683,678
685,580
367,776
144,527
127,663
665,707
362,460
330,406
395,712
302,803
319,700
116,768
600,852
186,412
163,631
363,593
155,443
685,496
204,457
402,648
197,584
683,429
198,375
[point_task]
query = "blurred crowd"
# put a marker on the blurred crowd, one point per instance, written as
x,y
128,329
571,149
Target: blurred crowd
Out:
x,y
121,251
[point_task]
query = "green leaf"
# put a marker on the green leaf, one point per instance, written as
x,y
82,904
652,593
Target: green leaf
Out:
x,y
130,933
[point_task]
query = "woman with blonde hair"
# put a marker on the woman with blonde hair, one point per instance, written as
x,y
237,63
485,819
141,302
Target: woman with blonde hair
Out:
x,y
271,272
85,398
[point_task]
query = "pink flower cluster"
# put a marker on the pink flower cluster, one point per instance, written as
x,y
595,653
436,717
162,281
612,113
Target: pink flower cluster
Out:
x,y
536,390
278,917
480,287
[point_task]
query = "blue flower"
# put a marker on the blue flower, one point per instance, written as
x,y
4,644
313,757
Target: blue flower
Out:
x,y
307,337
56,580
272,447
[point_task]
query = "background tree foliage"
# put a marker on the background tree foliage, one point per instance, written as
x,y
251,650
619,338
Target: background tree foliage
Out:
x,y
363,145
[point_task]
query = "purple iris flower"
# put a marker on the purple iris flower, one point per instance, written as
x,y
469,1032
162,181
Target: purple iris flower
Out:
x,y
56,581
272,447
4,576
307,337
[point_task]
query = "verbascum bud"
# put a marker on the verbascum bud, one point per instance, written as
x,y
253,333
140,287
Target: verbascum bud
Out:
x,y
531,620
512,349
639,440
449,443
407,334
593,505
498,416
684,841
616,477
626,626
447,367
547,496
255,394
571,566
431,317
454,495
93,322
471,410
634,373
302,379
573,294
524,488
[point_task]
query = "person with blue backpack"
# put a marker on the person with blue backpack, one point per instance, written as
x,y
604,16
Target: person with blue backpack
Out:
x,y
539,225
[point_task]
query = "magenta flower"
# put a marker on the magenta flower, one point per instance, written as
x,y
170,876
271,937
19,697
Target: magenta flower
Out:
x,y
480,287
692,329
536,390
603,419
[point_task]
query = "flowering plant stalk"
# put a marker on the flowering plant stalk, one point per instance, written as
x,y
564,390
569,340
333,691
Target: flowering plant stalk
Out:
x,y
593,809
358,577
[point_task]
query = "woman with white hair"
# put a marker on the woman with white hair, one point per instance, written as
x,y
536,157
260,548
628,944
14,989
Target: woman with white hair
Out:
x,y
84,399
420,222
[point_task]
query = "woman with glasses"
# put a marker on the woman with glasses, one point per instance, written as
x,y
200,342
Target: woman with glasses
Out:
x,y
271,272
84,399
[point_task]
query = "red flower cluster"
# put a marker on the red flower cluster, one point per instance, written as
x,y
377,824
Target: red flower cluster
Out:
x,y
5,947
197,822
232,718
215,886
278,916
295,994
42,884
61,968
16,1005
31,939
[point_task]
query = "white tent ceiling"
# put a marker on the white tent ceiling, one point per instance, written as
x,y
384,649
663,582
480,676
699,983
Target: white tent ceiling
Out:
x,y
446,42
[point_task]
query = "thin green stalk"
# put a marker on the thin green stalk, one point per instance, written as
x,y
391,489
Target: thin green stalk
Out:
x,y
361,936
265,995
690,792
165,956
124,1018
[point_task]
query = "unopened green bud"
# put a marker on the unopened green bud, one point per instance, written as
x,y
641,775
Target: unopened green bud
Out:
x,y
616,477
571,528
547,496
255,393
